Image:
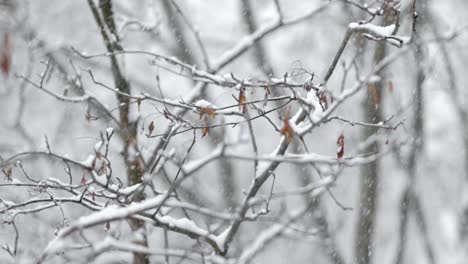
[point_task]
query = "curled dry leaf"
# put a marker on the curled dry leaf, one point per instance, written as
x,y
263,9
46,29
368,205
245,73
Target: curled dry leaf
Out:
x,y
340,149
138,101
205,129
167,115
101,168
93,164
323,100
287,130
207,110
5,55
242,107
88,113
308,86
151,128
83,180
265,98
8,172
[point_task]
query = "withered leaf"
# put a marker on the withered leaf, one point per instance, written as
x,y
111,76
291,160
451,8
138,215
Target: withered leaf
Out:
x,y
138,103
287,130
205,131
206,110
8,172
166,114
340,143
101,169
265,98
151,128
93,164
323,100
83,180
242,107
5,55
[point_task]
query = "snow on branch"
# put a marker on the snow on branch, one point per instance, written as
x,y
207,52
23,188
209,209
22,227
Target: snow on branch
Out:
x,y
142,178
374,32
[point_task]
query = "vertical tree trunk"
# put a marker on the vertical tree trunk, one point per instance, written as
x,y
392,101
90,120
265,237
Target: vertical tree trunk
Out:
x,y
104,17
370,172
410,201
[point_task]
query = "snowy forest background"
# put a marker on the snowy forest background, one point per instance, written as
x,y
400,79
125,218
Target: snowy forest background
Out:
x,y
236,131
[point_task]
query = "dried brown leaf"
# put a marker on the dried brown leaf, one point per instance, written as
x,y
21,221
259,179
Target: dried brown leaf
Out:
x,y
287,130
5,55
242,100
151,128
340,149
83,180
138,103
205,131
323,100
8,172
206,110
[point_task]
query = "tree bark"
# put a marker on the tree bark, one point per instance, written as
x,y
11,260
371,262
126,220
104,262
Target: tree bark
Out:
x,y
104,17
370,172
410,201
